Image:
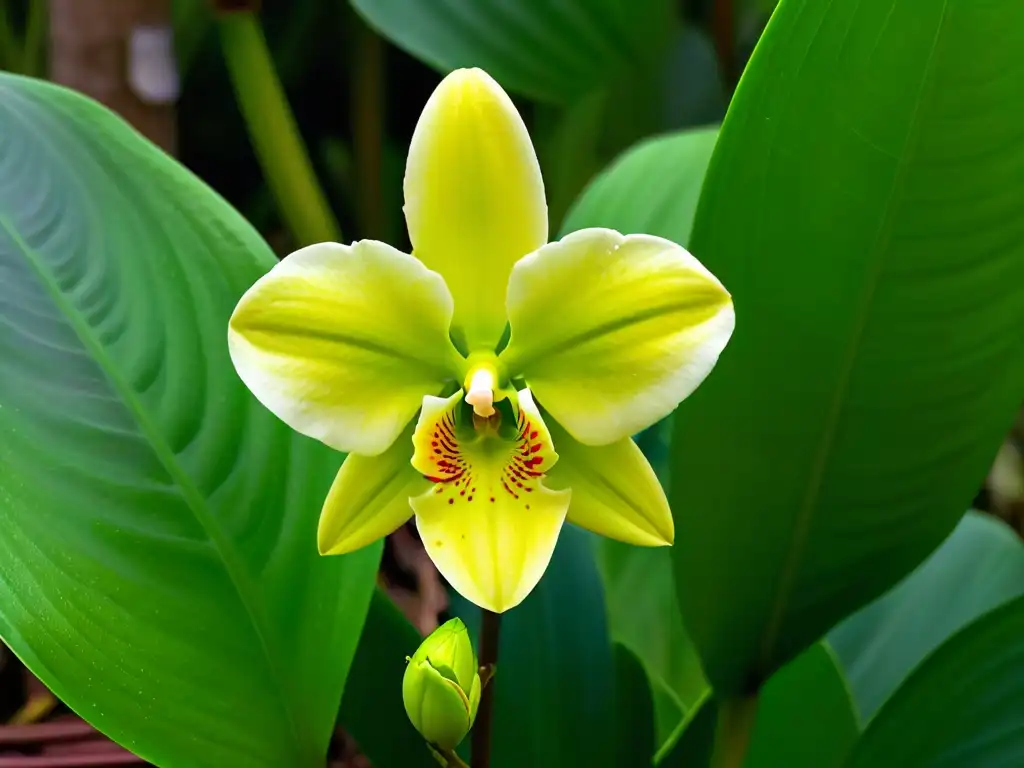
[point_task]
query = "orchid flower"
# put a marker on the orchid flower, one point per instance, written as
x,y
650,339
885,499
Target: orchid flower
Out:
x,y
490,382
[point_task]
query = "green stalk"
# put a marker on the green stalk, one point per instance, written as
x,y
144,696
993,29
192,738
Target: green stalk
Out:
x,y
273,132
452,760
368,129
732,735
10,48
33,59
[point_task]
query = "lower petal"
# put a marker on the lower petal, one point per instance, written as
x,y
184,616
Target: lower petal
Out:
x,y
489,523
615,492
369,498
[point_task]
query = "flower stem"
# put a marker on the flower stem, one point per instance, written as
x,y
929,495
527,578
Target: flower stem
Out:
x,y
490,630
452,759
272,130
732,735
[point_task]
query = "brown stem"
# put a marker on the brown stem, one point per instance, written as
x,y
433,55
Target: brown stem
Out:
x,y
732,734
31,734
100,760
724,32
490,629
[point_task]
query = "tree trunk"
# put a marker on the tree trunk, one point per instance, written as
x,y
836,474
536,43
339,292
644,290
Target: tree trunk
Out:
x,y
119,52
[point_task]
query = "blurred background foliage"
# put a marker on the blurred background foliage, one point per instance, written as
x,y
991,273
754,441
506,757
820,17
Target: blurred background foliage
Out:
x,y
350,89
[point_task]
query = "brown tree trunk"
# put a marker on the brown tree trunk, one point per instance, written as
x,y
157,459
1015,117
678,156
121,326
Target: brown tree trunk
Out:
x,y
118,52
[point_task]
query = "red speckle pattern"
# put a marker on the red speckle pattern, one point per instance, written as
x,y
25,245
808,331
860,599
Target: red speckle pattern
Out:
x,y
450,464
523,466
453,471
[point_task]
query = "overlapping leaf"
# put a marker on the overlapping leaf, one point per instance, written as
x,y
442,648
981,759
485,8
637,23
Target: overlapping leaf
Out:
x,y
863,207
158,564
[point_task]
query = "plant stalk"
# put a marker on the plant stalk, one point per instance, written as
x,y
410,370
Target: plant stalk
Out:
x,y
487,656
33,60
273,131
10,46
732,735
452,759
368,83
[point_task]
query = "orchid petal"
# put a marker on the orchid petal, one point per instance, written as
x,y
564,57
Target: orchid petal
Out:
x,y
615,492
341,342
369,498
474,198
488,523
611,332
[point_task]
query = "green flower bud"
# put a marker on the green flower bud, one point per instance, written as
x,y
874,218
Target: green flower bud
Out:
x,y
441,687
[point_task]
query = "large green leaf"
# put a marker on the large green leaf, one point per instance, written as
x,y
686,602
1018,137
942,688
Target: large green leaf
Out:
x,y
651,188
962,707
642,615
863,205
804,719
634,711
372,711
555,680
805,716
158,568
980,566
553,51
692,742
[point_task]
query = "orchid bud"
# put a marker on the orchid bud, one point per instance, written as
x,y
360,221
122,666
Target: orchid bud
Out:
x,y
441,687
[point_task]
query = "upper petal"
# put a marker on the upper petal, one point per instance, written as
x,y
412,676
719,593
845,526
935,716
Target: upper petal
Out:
x,y
369,498
341,342
474,197
489,523
615,492
611,332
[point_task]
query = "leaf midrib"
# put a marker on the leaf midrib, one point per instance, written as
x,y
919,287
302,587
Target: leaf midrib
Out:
x,y
801,529
194,499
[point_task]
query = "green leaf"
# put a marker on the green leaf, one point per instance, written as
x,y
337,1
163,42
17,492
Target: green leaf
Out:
x,y
372,711
643,616
555,678
962,707
863,207
158,568
979,567
634,711
668,712
651,188
691,744
804,719
805,716
549,51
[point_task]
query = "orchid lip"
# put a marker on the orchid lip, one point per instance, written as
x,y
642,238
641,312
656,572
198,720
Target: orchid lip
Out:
x,y
462,458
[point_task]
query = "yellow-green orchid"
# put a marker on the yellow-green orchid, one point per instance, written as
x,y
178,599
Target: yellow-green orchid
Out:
x,y
398,360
